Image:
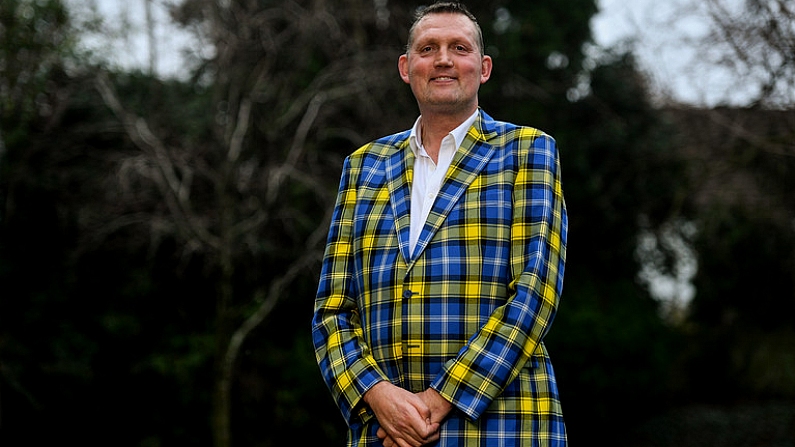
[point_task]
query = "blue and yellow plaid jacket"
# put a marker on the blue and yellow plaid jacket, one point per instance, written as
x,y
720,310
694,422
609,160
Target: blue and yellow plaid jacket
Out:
x,y
467,311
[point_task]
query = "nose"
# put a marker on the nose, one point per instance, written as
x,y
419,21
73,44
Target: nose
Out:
x,y
443,58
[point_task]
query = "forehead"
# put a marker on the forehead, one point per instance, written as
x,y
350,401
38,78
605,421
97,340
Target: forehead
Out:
x,y
445,26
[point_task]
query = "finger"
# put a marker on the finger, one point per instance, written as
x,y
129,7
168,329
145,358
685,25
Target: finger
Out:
x,y
412,429
433,437
421,421
400,442
427,428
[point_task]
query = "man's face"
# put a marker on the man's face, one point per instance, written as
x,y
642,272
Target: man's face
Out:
x,y
444,66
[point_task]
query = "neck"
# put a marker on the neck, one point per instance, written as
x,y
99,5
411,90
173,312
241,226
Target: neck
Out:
x,y
434,127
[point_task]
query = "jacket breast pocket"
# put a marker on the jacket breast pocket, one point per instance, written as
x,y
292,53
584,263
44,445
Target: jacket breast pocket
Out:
x,y
484,209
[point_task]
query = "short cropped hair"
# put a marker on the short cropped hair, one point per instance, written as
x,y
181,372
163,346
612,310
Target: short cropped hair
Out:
x,y
442,8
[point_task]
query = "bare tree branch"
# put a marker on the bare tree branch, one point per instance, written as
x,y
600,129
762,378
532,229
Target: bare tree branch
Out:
x,y
175,192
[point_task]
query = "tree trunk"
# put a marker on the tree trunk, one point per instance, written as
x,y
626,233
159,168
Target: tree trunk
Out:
x,y
222,406
222,389
224,320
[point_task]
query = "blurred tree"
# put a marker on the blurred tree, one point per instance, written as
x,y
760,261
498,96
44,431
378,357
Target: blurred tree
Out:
x,y
34,40
743,202
741,165
48,178
754,40
538,55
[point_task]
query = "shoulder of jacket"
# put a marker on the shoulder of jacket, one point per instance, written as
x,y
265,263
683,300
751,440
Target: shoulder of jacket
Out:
x,y
508,131
378,150
383,146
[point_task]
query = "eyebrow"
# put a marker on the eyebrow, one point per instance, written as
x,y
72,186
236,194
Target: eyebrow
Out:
x,y
456,40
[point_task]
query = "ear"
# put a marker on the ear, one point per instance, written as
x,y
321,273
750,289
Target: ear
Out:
x,y
485,69
403,67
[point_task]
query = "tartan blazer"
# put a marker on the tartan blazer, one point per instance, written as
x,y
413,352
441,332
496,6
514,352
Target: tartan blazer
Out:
x,y
467,311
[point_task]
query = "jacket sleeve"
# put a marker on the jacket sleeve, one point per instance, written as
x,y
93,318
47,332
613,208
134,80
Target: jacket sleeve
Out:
x,y
342,353
496,353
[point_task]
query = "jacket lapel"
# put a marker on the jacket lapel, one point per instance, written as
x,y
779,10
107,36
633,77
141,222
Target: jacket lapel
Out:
x,y
468,161
399,175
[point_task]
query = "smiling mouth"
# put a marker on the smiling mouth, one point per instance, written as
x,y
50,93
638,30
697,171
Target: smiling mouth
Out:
x,y
443,78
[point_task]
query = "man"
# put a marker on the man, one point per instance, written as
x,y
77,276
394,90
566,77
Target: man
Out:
x,y
444,265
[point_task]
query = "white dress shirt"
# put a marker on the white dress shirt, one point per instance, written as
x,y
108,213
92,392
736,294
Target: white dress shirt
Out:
x,y
428,176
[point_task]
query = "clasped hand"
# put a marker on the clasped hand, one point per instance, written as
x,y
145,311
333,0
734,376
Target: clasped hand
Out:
x,y
407,419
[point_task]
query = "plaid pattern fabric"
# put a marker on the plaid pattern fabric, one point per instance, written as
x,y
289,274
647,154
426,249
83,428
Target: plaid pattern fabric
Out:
x,y
467,311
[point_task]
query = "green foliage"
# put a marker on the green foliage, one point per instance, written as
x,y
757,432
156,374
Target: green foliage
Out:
x,y
282,398
93,326
611,353
735,245
34,38
742,315
537,50
740,320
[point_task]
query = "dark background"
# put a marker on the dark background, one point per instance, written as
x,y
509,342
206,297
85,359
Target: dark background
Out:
x,y
160,240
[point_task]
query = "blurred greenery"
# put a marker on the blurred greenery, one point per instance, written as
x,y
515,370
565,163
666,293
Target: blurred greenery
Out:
x,y
137,241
